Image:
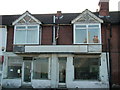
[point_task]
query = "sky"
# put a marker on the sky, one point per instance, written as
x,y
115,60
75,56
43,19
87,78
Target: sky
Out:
x,y
12,7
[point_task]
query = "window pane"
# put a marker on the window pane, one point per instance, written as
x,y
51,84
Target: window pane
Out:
x,y
32,36
86,68
80,36
32,27
40,68
93,36
20,27
93,26
80,26
20,36
14,67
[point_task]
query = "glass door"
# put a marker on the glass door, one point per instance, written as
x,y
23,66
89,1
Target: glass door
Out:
x,y
27,72
62,69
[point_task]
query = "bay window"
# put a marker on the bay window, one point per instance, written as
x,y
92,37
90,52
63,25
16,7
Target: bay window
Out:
x,y
26,34
87,34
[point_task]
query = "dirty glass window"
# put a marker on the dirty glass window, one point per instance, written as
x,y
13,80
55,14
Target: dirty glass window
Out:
x,y
86,68
26,34
14,69
87,34
40,68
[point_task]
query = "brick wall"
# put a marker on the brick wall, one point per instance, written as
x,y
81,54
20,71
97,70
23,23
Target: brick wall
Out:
x,y
10,37
46,38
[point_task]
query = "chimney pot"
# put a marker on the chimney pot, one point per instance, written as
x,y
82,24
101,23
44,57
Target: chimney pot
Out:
x,y
59,13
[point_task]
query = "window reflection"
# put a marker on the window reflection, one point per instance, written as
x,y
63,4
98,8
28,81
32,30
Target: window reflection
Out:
x,y
86,68
40,68
14,67
89,34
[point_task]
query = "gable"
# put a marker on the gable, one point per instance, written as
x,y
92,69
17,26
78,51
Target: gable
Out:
x,y
87,17
26,18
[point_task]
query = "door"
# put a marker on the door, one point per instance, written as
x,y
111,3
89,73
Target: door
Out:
x,y
27,72
62,70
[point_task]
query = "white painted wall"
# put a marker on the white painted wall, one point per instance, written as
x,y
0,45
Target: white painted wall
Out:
x,y
57,48
3,38
41,83
69,72
0,41
54,71
11,83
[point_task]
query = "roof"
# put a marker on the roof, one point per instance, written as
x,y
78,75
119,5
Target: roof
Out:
x,y
48,18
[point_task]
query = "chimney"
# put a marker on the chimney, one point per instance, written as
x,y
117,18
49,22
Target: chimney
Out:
x,y
59,13
104,7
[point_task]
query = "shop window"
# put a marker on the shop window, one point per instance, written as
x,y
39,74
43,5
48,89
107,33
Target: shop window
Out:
x,y
40,68
86,68
87,34
26,34
14,68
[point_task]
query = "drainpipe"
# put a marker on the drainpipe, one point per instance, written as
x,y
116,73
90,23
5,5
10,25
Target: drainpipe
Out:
x,y
110,59
54,41
108,48
110,64
58,16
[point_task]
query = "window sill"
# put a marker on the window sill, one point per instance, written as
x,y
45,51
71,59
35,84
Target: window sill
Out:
x,y
11,78
26,44
85,80
87,44
41,79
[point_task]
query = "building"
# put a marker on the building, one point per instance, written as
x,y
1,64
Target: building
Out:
x,y
69,50
3,38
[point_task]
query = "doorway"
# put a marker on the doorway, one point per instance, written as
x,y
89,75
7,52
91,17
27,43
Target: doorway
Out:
x,y
62,70
27,72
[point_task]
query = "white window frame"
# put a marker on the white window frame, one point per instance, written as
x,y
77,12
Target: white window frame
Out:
x,y
38,32
74,33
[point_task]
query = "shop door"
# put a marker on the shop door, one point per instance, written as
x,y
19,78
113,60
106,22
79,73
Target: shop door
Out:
x,y
27,72
62,70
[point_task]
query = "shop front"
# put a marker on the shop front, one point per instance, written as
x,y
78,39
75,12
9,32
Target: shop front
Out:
x,y
55,71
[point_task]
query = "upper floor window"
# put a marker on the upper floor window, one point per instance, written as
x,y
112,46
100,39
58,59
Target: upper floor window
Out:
x,y
87,34
26,34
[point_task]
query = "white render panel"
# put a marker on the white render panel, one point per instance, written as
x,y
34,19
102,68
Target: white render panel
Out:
x,y
103,68
57,48
89,84
11,83
95,48
54,71
3,38
69,72
41,83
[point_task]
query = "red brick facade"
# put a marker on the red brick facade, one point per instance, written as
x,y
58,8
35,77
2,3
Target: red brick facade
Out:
x,y
10,38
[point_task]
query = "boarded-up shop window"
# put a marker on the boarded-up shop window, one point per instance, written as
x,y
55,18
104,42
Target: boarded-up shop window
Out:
x,y
86,68
14,67
40,68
